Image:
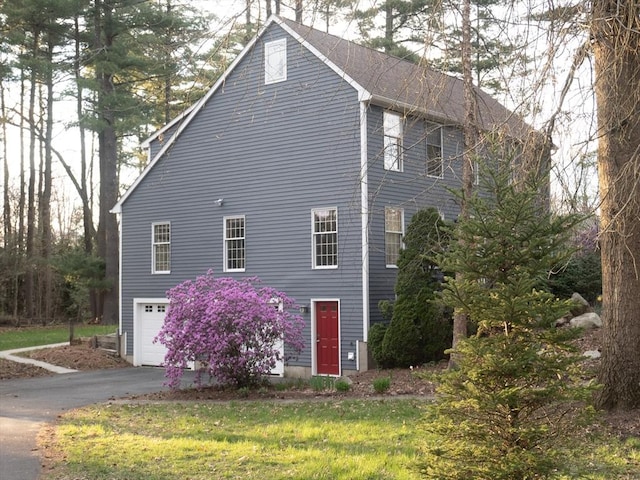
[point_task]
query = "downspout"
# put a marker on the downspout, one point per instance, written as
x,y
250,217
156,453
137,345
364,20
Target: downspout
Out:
x,y
364,202
122,352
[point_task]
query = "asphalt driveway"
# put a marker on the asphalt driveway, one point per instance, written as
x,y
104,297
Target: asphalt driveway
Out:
x,y
26,405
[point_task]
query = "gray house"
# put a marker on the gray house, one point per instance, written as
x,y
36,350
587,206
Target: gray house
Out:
x,y
301,166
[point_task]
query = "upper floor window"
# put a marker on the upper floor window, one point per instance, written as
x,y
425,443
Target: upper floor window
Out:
x,y
275,61
392,141
434,150
161,247
393,233
234,235
325,237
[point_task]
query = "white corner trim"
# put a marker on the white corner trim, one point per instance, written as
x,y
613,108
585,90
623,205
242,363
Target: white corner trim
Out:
x,y
364,208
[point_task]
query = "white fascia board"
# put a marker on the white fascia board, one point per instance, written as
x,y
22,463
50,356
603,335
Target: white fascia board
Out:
x,y
363,94
146,143
191,113
407,107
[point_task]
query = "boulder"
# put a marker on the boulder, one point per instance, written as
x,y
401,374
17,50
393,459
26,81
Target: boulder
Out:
x,y
345,379
587,320
562,321
593,354
581,306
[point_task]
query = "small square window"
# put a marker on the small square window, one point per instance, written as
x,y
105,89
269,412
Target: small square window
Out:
x,y
275,61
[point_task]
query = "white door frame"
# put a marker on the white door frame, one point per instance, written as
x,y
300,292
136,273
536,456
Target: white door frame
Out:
x,y
314,353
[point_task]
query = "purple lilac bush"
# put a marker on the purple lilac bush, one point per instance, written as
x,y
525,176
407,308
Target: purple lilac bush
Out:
x,y
232,328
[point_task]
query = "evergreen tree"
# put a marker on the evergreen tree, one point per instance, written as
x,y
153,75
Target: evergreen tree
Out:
x,y
404,22
501,411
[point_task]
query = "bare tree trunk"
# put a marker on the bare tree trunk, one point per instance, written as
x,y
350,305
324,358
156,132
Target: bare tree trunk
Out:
x,y
268,7
470,130
108,160
87,213
29,296
615,33
47,290
299,11
388,27
21,208
167,76
6,210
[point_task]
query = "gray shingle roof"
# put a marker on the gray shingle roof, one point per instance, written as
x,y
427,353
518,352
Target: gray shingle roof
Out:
x,y
406,85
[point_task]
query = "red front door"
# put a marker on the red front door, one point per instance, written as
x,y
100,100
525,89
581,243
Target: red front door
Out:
x,y
327,338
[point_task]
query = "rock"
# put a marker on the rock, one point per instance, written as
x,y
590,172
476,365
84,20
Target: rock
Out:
x,y
587,320
593,354
581,306
345,379
562,321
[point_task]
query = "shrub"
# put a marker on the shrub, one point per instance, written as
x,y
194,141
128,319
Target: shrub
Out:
x,y
376,336
321,383
230,327
342,385
382,384
582,274
420,329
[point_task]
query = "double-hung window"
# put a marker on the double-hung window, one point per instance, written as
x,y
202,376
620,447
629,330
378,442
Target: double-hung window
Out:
x,y
434,150
161,247
275,61
325,237
234,248
393,233
392,124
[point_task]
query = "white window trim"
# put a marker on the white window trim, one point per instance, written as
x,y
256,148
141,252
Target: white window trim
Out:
x,y
391,265
441,175
225,240
313,240
399,163
271,73
153,249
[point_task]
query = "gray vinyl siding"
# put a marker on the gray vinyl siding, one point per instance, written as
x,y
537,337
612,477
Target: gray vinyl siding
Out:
x,y
410,189
273,153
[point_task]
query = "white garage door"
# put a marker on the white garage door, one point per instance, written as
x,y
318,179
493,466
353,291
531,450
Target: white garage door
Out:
x,y
150,319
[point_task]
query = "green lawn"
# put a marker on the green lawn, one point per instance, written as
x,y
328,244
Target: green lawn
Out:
x,y
34,336
336,439
245,440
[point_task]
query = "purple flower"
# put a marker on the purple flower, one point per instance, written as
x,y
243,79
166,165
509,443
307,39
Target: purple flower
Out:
x,y
233,329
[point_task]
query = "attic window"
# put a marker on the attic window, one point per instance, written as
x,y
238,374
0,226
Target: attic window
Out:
x,y
275,61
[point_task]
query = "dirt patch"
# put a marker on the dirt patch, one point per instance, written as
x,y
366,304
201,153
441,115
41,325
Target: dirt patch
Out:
x,y
401,382
9,370
79,356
